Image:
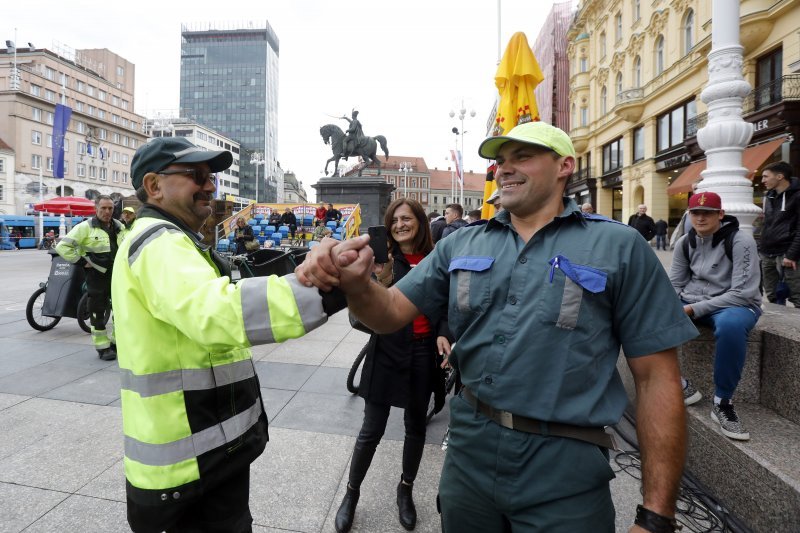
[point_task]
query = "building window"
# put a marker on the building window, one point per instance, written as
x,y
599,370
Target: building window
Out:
x,y
602,45
102,134
81,147
603,99
36,90
81,170
91,109
637,72
90,90
66,168
79,106
115,100
103,174
583,64
638,144
49,73
115,176
49,164
612,156
637,10
49,95
101,95
49,117
101,114
671,126
124,159
658,59
49,140
688,32
80,127
81,86
573,116
93,172
37,114
618,84
2,194
36,137
2,165
115,157
435,199
769,69
36,161
120,71
124,177
584,116
124,104
618,28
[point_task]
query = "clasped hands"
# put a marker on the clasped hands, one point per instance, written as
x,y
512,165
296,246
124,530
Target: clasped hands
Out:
x,y
347,264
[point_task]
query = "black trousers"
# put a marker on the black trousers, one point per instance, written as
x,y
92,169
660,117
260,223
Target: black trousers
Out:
x,y
224,508
376,415
98,286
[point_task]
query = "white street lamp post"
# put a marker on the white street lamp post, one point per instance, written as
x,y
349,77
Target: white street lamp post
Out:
x,y
257,159
405,168
462,114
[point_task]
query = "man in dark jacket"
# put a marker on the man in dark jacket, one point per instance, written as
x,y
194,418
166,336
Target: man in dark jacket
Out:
x,y
661,234
438,224
333,215
779,246
643,223
289,219
454,216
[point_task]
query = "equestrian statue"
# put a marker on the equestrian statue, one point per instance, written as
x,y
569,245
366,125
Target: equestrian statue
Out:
x,y
352,143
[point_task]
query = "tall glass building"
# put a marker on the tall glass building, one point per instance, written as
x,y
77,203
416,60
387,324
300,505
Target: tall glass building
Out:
x,y
229,82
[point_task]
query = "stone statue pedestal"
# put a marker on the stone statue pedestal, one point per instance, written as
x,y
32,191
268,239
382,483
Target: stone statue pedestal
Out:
x,y
371,192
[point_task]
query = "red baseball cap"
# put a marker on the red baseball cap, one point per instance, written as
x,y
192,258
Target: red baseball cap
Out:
x,y
705,201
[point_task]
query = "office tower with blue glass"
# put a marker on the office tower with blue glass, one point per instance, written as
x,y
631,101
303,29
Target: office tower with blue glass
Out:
x,y
229,82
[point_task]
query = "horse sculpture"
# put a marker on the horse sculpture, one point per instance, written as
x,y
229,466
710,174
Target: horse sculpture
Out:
x,y
367,147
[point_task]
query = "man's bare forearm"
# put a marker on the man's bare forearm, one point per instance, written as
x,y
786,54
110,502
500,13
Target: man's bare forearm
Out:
x,y
661,428
380,309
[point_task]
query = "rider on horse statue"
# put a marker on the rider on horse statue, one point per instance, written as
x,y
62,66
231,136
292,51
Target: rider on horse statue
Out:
x,y
354,135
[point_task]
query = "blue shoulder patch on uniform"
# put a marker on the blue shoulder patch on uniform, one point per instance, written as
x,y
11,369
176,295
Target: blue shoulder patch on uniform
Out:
x,y
600,218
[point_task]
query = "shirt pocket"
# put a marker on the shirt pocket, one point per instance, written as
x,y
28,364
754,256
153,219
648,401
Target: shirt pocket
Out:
x,y
578,279
472,282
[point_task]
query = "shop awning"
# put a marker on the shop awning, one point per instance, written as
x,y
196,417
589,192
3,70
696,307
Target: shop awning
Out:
x,y
752,158
683,183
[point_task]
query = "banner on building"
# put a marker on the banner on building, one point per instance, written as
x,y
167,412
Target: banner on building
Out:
x,y
60,124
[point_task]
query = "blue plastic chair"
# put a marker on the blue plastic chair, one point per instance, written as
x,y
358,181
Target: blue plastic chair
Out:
x,y
284,230
259,217
223,245
308,220
331,224
252,222
269,230
336,236
261,239
256,230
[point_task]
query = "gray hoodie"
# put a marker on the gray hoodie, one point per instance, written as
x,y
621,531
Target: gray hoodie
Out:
x,y
709,281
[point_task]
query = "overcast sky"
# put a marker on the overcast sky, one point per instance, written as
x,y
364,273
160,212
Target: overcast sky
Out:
x,y
403,64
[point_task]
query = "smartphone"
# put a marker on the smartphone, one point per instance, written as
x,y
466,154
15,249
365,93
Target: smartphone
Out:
x,y
378,241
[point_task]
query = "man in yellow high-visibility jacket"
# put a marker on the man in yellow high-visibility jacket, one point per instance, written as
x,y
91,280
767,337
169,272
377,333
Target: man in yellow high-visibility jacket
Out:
x,y
192,413
93,244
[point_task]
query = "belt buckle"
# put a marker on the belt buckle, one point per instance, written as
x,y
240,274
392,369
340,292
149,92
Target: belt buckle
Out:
x,y
506,419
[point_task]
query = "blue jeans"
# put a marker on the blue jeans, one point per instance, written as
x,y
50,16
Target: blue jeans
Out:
x,y
732,326
661,242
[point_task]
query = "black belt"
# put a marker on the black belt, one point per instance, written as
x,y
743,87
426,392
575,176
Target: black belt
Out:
x,y
597,436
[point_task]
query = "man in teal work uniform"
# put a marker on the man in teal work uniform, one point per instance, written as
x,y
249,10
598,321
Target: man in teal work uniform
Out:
x,y
540,299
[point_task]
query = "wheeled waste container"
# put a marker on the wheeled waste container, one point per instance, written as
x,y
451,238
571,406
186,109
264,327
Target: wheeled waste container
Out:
x,y
63,288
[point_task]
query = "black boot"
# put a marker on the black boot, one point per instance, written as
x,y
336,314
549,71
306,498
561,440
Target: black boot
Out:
x,y
347,511
405,505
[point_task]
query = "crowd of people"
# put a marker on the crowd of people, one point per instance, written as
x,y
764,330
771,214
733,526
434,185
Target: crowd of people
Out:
x,y
530,307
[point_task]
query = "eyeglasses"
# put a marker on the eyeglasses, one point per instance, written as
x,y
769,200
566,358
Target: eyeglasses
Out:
x,y
199,179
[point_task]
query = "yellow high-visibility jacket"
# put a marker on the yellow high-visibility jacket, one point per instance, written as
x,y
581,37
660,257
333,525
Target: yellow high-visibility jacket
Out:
x,y
89,242
191,406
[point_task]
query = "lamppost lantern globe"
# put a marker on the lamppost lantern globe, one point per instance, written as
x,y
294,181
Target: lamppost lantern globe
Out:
x,y
452,113
472,113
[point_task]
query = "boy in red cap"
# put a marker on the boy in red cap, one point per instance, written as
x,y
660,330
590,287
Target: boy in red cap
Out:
x,y
715,273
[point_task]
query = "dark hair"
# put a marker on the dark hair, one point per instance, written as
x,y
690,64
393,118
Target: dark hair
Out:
x,y
457,208
475,213
423,244
433,214
141,195
102,197
781,167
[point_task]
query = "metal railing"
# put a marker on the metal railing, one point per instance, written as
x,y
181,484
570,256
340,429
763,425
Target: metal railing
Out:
x,y
630,95
786,88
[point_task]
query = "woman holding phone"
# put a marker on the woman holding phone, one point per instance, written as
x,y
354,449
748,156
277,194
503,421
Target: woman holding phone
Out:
x,y
400,370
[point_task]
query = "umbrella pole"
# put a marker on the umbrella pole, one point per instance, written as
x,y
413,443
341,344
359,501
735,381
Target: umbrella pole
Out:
x,y
41,217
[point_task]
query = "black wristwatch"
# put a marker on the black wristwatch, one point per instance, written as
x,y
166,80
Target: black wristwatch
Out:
x,y
654,522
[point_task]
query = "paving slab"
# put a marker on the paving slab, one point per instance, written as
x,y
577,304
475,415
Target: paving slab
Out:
x,y
332,332
327,380
101,387
87,438
8,400
20,506
282,375
84,514
295,479
275,400
304,352
39,379
108,485
344,355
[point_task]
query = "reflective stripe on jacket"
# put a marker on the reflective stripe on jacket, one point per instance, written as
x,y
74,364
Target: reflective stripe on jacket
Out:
x,y
90,241
191,405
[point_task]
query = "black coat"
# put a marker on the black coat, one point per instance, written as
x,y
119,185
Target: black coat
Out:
x,y
387,375
242,235
644,224
780,233
437,228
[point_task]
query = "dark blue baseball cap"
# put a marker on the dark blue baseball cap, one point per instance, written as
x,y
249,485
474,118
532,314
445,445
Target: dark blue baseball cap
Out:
x,y
161,152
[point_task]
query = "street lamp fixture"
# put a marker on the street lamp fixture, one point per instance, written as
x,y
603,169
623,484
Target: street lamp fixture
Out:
x,y
462,114
257,159
405,168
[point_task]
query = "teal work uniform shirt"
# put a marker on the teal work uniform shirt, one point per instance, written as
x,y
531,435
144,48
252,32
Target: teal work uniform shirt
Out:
x,y
539,326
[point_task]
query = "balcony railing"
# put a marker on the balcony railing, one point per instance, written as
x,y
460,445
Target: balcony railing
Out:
x,y
631,95
582,174
783,89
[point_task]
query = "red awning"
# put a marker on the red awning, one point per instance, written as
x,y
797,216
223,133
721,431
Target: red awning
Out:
x,y
67,205
752,158
683,183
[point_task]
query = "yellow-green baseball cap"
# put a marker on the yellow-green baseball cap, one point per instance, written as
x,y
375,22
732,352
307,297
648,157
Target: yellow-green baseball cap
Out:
x,y
537,133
